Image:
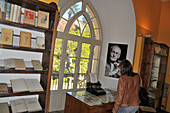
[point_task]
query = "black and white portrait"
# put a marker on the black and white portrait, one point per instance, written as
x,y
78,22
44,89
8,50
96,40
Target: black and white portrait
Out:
x,y
116,53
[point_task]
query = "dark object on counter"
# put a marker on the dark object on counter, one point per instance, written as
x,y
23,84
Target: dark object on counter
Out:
x,y
95,88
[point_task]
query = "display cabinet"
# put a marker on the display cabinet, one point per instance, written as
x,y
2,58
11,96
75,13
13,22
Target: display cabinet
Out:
x,y
158,73
47,53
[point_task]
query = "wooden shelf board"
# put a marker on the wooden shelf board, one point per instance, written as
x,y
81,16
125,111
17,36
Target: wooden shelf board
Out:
x,y
27,26
22,48
2,70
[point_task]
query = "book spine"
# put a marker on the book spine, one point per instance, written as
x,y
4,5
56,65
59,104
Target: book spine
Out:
x,y
8,9
15,13
11,12
18,14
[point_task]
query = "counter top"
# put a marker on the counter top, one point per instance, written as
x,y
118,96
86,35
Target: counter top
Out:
x,y
93,100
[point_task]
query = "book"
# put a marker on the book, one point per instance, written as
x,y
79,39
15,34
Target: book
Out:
x,y
25,105
18,15
25,85
14,13
8,9
40,42
25,39
2,5
36,65
6,36
19,64
9,63
11,12
3,88
43,19
29,17
4,108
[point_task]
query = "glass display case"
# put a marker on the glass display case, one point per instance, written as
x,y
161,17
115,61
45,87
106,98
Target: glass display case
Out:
x,y
158,73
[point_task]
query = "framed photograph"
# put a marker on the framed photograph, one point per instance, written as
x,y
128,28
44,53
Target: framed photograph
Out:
x,y
25,39
6,36
40,42
43,19
29,17
116,53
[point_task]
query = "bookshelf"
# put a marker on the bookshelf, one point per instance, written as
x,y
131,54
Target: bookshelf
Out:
x,y
47,53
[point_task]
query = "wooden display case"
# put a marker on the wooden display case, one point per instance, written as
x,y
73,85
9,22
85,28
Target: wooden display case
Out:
x,y
153,72
80,102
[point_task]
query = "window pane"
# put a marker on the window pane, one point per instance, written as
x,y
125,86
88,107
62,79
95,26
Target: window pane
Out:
x,y
81,82
95,64
82,22
83,65
94,22
87,32
97,35
72,48
68,80
68,14
85,50
57,55
75,28
77,7
54,81
89,11
71,56
96,52
62,24
56,63
70,65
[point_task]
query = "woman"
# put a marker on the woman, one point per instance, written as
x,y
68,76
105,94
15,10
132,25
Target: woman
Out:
x,y
127,98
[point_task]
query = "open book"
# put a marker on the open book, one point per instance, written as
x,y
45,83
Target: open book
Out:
x,y
24,105
24,85
4,108
18,64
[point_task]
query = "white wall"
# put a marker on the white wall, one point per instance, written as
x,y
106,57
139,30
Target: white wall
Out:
x,y
119,26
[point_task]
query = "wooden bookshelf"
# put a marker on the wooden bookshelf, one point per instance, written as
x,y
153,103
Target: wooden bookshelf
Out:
x,y
47,53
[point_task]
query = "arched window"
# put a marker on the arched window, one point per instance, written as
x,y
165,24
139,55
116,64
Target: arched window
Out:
x,y
78,46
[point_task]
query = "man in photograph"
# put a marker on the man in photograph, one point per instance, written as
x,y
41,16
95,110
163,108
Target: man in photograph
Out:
x,y
112,69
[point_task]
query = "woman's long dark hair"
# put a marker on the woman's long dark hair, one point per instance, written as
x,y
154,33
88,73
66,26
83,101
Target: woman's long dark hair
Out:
x,y
126,68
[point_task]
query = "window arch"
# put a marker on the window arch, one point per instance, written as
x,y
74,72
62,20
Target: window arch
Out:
x,y
78,46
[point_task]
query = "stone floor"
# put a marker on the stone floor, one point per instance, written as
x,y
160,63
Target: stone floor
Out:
x,y
57,112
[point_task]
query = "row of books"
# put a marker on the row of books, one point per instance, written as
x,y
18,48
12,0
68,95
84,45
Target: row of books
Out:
x,y
19,64
21,105
22,85
16,13
25,39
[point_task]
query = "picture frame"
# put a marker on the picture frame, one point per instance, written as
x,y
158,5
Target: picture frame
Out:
x,y
29,17
40,42
6,36
116,53
43,19
25,39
